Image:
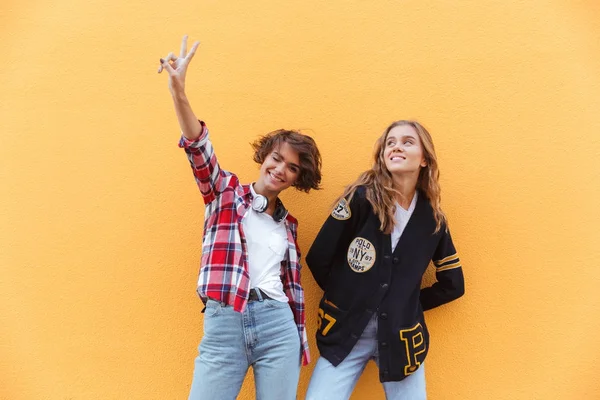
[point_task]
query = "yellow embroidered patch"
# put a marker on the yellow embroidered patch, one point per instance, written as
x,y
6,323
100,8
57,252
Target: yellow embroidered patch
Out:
x,y
414,344
330,322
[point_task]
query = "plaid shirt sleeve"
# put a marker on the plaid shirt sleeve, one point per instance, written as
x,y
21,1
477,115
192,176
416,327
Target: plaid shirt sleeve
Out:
x,y
211,180
293,288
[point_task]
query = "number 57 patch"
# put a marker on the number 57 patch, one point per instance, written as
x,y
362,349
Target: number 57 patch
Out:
x,y
330,322
341,211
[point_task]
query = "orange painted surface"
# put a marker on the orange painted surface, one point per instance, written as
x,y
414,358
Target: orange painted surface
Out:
x,y
101,222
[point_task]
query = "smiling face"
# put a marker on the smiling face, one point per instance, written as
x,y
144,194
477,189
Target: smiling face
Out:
x,y
403,152
279,170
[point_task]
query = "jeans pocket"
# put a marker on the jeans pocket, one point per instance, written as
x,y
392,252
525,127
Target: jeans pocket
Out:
x,y
330,326
213,308
272,303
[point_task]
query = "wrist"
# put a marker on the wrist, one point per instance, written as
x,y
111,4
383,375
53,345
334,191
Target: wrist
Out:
x,y
179,95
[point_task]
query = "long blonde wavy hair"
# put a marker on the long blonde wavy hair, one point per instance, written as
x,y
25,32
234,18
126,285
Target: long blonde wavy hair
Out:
x,y
379,184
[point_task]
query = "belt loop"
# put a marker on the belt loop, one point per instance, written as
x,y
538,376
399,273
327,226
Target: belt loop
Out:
x,y
259,294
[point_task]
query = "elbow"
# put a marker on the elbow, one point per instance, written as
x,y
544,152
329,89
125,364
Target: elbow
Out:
x,y
460,292
318,273
459,289
309,260
314,262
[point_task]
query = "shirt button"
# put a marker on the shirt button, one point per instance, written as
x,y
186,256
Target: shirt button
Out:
x,y
396,260
383,315
384,286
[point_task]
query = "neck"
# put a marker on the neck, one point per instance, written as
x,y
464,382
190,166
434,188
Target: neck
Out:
x,y
406,186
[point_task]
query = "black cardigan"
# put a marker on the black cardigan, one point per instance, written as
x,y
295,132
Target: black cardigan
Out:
x,y
353,262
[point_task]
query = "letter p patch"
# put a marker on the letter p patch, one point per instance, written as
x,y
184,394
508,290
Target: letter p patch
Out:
x,y
414,342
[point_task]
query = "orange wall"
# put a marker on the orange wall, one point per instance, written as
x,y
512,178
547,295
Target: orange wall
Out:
x,y
100,220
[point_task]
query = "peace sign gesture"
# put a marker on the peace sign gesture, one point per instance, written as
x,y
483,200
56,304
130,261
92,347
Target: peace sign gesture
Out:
x,y
177,66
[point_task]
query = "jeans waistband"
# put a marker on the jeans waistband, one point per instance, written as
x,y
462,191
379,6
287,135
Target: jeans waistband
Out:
x,y
257,295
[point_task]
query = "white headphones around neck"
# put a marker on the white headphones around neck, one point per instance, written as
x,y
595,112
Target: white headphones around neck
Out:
x,y
260,204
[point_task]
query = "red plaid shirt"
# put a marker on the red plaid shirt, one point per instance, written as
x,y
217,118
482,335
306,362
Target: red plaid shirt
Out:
x,y
224,269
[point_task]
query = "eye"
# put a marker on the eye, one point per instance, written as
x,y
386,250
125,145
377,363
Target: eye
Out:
x,y
408,142
275,157
389,143
294,170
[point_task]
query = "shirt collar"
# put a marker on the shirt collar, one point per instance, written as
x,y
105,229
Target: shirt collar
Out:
x,y
249,192
411,207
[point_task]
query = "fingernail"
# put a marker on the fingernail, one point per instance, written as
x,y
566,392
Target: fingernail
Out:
x,y
162,61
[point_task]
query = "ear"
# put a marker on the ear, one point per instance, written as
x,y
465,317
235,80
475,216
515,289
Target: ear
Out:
x,y
423,163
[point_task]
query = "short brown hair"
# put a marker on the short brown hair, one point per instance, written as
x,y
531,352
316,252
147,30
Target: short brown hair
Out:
x,y
304,145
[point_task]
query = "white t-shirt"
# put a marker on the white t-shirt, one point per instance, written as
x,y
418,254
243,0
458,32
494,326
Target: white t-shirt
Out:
x,y
402,216
267,245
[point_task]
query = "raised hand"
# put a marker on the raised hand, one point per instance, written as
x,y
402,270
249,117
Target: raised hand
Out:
x,y
177,66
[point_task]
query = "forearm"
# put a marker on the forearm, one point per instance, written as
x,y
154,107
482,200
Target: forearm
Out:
x,y
188,122
447,289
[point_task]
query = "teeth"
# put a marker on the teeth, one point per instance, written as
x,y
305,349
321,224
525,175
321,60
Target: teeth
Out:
x,y
276,178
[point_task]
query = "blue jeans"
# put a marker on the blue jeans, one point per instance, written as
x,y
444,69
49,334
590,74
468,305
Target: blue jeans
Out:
x,y
264,336
337,383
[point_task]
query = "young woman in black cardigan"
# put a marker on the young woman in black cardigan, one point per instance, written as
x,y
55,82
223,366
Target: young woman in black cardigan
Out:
x,y
370,257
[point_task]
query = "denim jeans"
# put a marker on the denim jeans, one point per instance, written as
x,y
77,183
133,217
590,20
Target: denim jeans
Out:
x,y
337,383
264,337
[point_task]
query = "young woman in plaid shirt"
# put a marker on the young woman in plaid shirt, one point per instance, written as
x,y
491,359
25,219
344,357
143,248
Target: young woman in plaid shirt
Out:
x,y
250,272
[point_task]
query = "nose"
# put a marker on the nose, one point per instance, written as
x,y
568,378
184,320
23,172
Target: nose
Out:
x,y
398,147
280,167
